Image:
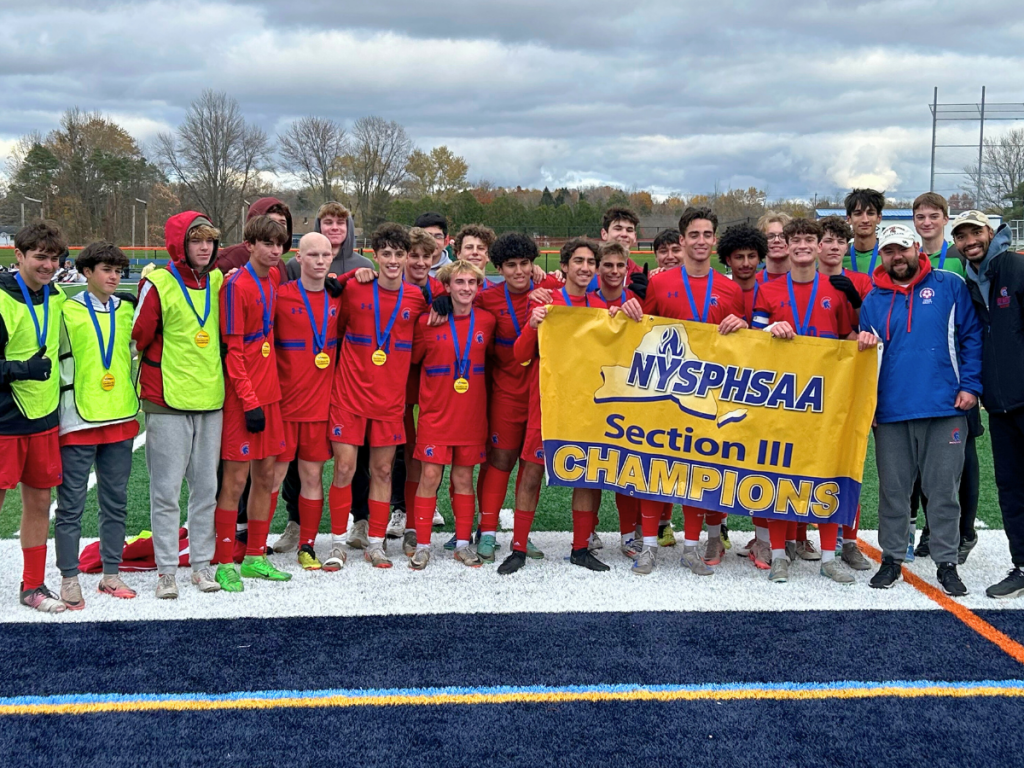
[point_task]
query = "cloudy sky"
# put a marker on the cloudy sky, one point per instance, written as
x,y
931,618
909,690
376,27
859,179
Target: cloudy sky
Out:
x,y
796,97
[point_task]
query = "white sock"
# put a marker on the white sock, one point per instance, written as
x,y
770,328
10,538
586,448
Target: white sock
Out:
x,y
828,555
241,527
410,530
337,541
779,553
422,546
375,539
461,543
761,534
689,543
715,531
650,541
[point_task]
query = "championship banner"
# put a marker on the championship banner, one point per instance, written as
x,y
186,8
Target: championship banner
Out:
x,y
674,411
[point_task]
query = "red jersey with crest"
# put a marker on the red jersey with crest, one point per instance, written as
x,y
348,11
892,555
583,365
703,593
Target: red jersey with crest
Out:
x,y
250,376
306,392
448,417
412,388
667,297
829,316
750,297
509,378
361,387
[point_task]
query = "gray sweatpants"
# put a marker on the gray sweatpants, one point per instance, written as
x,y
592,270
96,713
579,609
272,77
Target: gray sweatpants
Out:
x,y
935,449
113,463
182,447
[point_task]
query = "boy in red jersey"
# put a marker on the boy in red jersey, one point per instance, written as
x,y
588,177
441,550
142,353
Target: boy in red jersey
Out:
x,y
253,435
306,344
803,304
452,425
368,395
695,293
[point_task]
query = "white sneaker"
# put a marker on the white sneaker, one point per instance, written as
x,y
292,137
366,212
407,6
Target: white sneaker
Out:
x,y
396,527
359,534
438,518
288,541
167,587
205,581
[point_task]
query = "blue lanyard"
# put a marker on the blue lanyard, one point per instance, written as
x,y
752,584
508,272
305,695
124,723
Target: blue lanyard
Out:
x,y
462,363
430,293
188,298
801,328
568,303
384,339
942,256
874,258
319,335
263,299
512,309
40,336
107,355
702,316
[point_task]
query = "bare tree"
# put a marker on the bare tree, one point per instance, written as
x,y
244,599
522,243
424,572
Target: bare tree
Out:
x,y
375,166
311,148
216,156
1002,172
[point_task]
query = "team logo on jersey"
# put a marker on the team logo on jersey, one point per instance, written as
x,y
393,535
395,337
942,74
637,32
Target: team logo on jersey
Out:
x,y
333,311
955,437
539,453
245,449
826,303
405,314
479,338
926,294
714,301
336,431
494,438
428,451
1003,299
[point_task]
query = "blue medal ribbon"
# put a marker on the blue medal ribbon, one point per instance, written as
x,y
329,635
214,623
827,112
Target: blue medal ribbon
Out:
x,y
263,298
40,334
512,309
702,316
942,256
568,302
874,258
384,339
462,362
801,328
106,354
319,335
188,298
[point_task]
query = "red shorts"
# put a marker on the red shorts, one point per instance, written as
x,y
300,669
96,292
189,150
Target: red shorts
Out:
x,y
456,455
533,447
507,422
30,459
239,444
350,429
410,424
307,440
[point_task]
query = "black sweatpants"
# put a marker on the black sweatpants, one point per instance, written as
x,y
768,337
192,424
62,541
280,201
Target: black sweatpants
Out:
x,y
1007,433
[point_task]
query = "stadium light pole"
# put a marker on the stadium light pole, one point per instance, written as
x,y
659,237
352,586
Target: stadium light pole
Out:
x,y
31,200
145,224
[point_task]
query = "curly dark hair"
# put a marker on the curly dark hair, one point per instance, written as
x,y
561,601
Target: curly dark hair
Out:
x,y
837,226
512,245
741,237
390,235
802,227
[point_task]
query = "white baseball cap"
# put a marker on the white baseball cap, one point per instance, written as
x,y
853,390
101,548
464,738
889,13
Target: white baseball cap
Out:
x,y
902,235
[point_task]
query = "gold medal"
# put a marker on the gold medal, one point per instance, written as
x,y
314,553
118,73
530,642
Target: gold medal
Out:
x,y
107,382
322,360
266,349
461,386
202,339
526,363
379,357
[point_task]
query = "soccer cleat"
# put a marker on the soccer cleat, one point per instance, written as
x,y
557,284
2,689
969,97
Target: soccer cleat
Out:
x,y
910,553
791,550
71,593
113,585
966,545
667,537
595,542
779,574
307,558
532,552
644,562
288,541
438,518
258,567
409,543
888,573
1011,586
512,563
336,561
376,556
359,534
485,548
167,587
745,550
691,559
853,557
228,578
830,570
41,599
630,546
419,559
714,551
761,554
923,548
467,557
450,544
396,526
585,559
950,580
205,580
725,537
806,550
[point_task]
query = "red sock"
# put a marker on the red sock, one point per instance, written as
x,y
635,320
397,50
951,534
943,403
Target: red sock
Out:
x,y
224,523
492,496
339,503
480,477
582,527
257,544
666,513
464,507
423,517
778,531
801,532
791,530
715,518
310,512
522,522
850,531
760,522
379,511
34,566
650,517
410,500
693,523
629,513
828,532
273,504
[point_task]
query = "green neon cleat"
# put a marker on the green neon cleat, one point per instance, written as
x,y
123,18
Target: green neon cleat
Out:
x,y
258,567
228,578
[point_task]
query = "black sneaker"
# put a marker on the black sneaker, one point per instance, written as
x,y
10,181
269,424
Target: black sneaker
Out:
x,y
887,574
725,536
923,549
966,545
1011,586
585,558
950,580
512,563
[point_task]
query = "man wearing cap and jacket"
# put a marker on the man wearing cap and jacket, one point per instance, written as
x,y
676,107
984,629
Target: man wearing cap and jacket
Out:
x,y
995,277
929,330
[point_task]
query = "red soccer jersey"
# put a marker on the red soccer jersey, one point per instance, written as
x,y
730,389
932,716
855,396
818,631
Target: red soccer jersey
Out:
x,y
448,417
509,377
750,297
361,387
412,387
247,325
829,316
305,387
667,297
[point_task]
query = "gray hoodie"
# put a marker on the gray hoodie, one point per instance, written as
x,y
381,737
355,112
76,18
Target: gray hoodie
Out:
x,y
346,260
1000,243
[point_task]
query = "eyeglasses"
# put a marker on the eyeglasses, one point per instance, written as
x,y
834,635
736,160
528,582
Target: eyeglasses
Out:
x,y
775,237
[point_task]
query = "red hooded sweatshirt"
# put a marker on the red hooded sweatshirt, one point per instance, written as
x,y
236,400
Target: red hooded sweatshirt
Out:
x,y
237,256
147,332
885,283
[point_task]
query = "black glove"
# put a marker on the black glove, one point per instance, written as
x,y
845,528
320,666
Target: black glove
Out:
x,y
845,284
442,305
36,368
425,291
333,287
638,283
255,421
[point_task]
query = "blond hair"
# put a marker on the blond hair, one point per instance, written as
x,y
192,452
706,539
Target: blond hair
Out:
x,y
773,217
204,232
459,267
420,238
